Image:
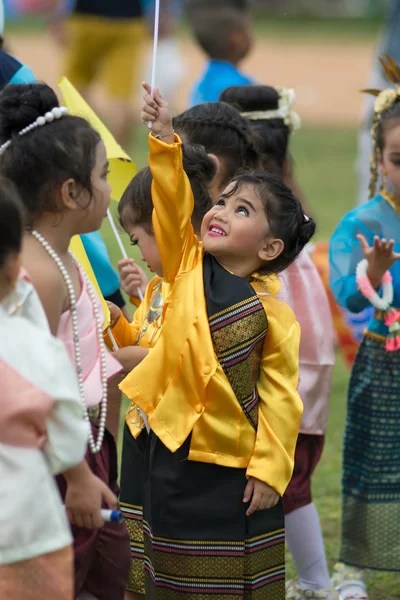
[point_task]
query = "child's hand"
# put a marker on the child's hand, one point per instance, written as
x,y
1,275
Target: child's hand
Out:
x,y
130,356
157,112
132,277
262,496
115,313
85,497
380,257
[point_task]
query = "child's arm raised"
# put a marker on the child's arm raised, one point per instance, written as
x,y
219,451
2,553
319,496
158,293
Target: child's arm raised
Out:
x,y
352,241
171,192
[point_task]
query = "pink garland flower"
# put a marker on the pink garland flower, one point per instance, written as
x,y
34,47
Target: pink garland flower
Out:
x,y
390,344
392,316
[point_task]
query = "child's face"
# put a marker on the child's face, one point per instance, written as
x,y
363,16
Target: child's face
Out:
x,y
235,230
147,245
390,161
94,208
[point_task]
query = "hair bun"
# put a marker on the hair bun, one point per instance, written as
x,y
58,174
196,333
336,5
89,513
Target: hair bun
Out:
x,y
22,104
249,98
306,231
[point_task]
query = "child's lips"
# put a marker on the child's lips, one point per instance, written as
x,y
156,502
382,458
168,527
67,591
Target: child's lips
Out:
x,y
216,231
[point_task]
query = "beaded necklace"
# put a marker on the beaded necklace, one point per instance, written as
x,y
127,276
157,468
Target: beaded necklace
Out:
x,y
94,445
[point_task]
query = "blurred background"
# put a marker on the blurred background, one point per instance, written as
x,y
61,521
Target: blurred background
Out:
x,y
326,50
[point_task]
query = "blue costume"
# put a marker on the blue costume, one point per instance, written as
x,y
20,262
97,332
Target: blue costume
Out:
x,y
371,455
217,76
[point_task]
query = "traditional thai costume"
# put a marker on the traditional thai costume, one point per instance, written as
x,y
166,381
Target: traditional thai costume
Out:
x,y
303,290
102,556
371,454
219,391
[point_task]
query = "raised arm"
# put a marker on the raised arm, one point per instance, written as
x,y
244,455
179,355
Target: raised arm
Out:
x,y
345,252
171,192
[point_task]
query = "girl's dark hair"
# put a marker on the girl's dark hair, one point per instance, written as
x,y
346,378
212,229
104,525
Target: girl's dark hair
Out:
x,y
136,204
284,214
273,132
11,220
223,132
382,123
41,160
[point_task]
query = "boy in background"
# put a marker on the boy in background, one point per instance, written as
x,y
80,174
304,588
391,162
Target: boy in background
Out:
x,y
103,40
225,34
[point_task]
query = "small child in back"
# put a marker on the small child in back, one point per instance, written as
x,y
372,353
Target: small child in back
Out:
x,y
225,35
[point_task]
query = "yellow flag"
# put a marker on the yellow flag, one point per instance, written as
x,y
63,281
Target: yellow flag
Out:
x,y
79,252
121,168
121,171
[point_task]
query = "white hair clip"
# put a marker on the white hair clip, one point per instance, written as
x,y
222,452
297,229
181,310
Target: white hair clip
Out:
x,y
52,115
285,111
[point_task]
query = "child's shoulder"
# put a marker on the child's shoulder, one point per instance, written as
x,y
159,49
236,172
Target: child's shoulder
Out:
x,y
36,355
281,318
360,213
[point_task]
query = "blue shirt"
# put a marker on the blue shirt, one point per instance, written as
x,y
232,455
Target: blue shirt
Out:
x,y
217,76
375,217
13,71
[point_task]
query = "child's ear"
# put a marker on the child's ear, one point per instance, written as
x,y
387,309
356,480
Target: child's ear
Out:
x,y
271,249
215,187
216,162
69,194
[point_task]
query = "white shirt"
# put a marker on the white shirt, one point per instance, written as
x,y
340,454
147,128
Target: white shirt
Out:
x,y
42,429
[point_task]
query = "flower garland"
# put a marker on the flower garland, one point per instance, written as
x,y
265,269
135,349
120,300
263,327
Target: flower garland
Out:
x,y
391,315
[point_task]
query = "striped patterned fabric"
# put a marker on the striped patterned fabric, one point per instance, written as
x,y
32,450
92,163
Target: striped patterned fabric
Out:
x,y
252,570
238,334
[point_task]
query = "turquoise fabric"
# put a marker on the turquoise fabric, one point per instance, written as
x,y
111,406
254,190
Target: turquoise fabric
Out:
x,y
106,276
376,217
217,76
23,75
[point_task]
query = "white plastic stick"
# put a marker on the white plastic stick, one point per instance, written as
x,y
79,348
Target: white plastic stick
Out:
x,y
112,338
117,236
155,46
121,246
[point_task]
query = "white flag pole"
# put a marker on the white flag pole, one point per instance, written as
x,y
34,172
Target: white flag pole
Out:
x,y
120,244
155,46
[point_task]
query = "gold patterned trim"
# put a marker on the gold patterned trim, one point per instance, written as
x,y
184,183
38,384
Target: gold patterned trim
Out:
x,y
379,315
389,198
375,336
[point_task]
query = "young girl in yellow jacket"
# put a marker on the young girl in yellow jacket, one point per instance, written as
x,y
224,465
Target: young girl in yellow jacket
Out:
x,y
219,387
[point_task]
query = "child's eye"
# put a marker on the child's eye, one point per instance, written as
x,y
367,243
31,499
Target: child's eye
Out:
x,y
220,202
133,242
106,174
243,211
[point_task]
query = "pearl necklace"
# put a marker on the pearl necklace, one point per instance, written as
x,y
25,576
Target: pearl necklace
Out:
x,y
94,446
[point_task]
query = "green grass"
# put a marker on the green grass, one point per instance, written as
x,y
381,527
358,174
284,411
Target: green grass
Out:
x,y
325,159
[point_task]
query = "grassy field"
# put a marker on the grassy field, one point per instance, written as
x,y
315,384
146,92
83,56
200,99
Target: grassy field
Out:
x,y
325,159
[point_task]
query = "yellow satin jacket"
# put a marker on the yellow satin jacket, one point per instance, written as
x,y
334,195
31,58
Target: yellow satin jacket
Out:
x,y
180,385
